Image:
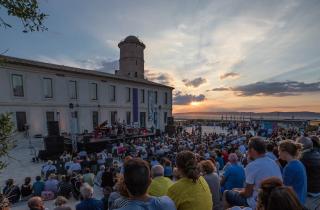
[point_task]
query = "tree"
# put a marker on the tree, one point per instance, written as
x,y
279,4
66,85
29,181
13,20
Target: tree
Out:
x,y
6,142
27,11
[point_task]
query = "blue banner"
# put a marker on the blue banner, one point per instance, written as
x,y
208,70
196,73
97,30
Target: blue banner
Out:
x,y
135,105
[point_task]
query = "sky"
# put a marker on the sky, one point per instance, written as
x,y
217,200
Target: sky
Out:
x,y
226,55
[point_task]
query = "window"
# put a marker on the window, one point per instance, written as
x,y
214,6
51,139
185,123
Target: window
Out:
x,y
95,119
142,95
17,85
128,94
165,98
128,117
113,117
21,119
142,119
165,117
73,89
135,74
94,91
156,97
112,93
47,83
50,116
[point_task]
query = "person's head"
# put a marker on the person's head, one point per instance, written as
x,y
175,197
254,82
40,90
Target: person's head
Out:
x,y
233,158
316,141
102,168
60,201
306,142
52,176
63,178
207,167
270,147
50,162
36,203
187,165
87,170
289,149
157,170
27,180
38,178
86,191
274,195
9,182
107,191
256,147
136,176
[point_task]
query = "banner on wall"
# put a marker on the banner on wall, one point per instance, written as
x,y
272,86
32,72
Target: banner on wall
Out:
x,y
135,105
150,105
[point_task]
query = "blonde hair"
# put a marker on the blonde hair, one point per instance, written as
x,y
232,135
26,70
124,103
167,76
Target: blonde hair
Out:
x,y
60,200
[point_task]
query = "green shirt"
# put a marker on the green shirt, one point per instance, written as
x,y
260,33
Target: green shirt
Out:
x,y
189,195
159,186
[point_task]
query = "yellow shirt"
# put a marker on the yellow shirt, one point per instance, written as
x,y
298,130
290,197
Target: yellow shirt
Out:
x,y
159,186
189,195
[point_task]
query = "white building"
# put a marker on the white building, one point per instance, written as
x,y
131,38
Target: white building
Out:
x,y
36,92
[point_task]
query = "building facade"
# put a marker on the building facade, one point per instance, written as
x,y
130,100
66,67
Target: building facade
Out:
x,y
36,92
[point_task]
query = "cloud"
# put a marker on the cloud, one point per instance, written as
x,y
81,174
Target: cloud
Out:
x,y
287,88
163,78
185,99
195,82
219,89
229,74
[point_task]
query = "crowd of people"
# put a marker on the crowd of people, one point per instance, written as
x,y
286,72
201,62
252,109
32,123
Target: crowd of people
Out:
x,y
191,171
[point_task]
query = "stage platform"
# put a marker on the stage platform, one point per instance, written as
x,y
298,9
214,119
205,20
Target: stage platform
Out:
x,y
99,144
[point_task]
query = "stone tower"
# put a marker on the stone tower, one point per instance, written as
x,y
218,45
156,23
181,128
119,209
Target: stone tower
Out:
x,y
131,57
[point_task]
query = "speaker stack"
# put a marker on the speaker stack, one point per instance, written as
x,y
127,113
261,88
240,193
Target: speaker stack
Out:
x,y
53,128
170,128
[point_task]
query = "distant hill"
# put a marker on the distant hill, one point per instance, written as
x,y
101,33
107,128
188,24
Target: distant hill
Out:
x,y
254,115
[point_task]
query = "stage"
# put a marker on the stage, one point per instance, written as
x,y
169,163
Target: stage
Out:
x,y
98,144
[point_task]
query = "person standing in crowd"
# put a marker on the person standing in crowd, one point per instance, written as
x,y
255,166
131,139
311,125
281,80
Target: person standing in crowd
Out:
x,y
273,196
311,160
270,153
137,180
65,187
160,184
233,176
294,173
60,203
36,203
75,166
191,191
48,169
98,178
88,201
38,186
88,177
107,179
11,191
208,172
51,184
260,168
26,189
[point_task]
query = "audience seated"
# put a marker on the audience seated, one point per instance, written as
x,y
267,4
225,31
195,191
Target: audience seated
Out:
x,y
208,171
137,179
273,196
234,175
260,168
88,201
191,191
11,191
311,160
294,173
159,185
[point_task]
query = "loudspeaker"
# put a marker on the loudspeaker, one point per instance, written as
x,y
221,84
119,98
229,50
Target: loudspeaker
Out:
x,y
54,144
170,120
53,128
170,130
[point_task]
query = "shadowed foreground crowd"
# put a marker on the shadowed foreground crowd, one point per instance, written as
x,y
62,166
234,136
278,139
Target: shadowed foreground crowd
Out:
x,y
190,172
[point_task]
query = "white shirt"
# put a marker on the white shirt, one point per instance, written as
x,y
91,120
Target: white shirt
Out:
x,y
258,170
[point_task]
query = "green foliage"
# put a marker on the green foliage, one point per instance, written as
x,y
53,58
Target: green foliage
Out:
x,y
27,11
6,143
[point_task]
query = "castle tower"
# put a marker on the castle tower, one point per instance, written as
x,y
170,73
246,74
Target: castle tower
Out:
x,y
131,57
